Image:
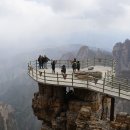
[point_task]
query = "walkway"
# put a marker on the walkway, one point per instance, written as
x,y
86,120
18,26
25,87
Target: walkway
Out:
x,y
107,85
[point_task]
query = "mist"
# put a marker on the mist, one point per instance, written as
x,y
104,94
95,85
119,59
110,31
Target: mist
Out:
x,y
32,25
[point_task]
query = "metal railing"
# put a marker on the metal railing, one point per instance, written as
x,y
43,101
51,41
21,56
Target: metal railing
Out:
x,y
108,84
84,63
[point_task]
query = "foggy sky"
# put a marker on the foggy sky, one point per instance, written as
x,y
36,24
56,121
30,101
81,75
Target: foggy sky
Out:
x,y
30,24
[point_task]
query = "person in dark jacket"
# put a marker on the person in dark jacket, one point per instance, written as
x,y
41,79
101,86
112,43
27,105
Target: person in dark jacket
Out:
x,y
40,61
63,71
78,65
42,64
53,66
46,59
74,65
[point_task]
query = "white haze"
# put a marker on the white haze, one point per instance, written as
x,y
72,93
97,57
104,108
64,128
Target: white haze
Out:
x,y
36,24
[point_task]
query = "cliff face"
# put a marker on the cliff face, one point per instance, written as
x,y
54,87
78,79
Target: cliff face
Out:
x,y
7,120
122,122
19,96
77,109
74,110
121,53
84,53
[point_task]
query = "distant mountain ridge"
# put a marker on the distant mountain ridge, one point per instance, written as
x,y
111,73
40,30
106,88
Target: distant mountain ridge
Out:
x,y
85,52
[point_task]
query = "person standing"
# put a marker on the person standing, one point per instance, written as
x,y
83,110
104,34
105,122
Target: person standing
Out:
x,y
42,64
53,66
40,61
78,65
74,65
63,71
46,59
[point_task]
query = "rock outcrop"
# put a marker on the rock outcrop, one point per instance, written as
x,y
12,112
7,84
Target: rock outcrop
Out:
x,y
74,110
121,54
7,119
122,122
85,52
77,109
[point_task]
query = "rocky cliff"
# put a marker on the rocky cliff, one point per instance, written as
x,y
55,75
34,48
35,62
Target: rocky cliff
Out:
x,y
7,119
19,96
121,54
84,53
74,110
122,122
77,109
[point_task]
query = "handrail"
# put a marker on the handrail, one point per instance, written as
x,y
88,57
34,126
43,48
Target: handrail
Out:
x,y
109,84
84,63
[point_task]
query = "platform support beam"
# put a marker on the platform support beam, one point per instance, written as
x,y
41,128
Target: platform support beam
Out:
x,y
112,108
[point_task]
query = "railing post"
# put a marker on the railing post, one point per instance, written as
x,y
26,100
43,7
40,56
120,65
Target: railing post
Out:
x,y
112,109
87,62
105,75
59,63
87,83
105,62
103,84
112,66
57,78
94,61
112,79
108,76
36,71
127,81
119,90
44,77
72,79
68,63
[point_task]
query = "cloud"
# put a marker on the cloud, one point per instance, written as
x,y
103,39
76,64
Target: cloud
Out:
x,y
28,24
99,12
22,20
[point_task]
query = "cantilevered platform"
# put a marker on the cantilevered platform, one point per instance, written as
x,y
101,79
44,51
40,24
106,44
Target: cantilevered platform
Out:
x,y
108,84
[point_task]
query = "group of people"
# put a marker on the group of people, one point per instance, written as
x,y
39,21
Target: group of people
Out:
x,y
75,65
42,60
63,68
